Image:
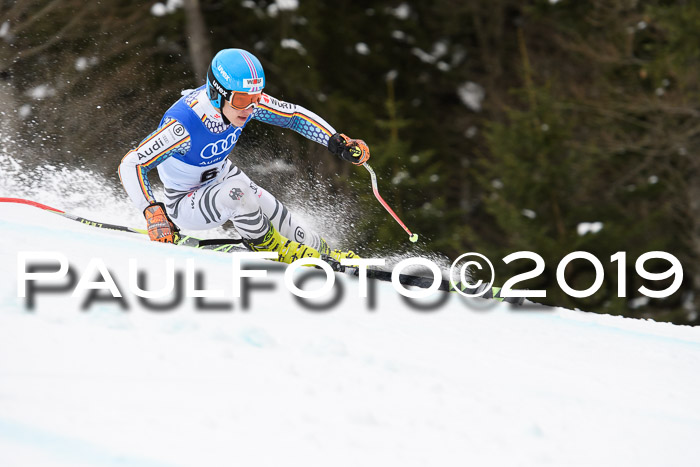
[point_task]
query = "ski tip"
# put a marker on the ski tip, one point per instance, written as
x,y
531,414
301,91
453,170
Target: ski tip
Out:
x,y
30,203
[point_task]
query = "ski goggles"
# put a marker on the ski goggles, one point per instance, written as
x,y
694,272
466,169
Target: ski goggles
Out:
x,y
243,100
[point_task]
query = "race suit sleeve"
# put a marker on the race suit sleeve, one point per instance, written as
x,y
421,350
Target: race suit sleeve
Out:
x,y
170,138
294,117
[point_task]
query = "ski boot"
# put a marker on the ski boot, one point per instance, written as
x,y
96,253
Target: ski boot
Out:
x,y
337,255
333,257
287,250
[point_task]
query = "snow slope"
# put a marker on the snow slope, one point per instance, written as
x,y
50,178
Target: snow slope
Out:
x,y
474,383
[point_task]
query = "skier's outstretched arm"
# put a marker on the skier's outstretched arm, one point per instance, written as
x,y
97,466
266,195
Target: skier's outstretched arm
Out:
x,y
307,123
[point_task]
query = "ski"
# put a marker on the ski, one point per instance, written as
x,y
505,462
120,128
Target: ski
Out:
x,y
232,245
226,245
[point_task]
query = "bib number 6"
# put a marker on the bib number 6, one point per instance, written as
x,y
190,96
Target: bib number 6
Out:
x,y
209,175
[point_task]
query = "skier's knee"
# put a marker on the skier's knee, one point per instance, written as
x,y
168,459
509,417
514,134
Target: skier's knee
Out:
x,y
238,196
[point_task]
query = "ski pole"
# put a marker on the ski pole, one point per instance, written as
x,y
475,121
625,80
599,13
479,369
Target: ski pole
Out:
x,y
412,237
73,217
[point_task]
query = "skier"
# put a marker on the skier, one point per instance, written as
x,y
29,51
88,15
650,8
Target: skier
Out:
x,y
203,188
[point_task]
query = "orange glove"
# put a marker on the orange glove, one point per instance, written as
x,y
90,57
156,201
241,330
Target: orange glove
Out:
x,y
351,150
160,227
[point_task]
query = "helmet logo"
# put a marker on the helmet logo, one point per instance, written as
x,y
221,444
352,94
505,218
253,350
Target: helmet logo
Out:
x,y
221,70
215,84
252,82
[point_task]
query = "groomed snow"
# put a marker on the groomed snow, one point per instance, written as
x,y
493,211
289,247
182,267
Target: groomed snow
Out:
x,y
280,384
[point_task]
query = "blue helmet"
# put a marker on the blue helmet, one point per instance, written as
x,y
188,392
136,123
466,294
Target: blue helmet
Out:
x,y
233,70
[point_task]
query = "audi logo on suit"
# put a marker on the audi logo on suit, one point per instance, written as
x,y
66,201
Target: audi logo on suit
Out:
x,y
223,146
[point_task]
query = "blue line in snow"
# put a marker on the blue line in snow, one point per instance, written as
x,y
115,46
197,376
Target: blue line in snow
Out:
x,y
613,329
70,449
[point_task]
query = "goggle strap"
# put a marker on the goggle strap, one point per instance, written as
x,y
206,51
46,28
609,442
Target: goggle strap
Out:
x,y
216,84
